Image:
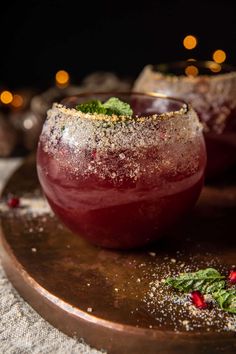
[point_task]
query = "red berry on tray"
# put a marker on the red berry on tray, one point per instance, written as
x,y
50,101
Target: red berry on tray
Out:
x,y
13,202
198,299
232,277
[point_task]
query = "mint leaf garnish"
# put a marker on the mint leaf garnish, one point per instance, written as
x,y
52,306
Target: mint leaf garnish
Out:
x,y
206,281
111,106
93,106
118,107
226,299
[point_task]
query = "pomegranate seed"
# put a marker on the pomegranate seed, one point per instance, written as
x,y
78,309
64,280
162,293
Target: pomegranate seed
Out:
x,y
198,299
94,153
232,277
13,202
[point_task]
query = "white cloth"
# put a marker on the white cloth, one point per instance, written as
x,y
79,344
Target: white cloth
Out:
x,y
22,330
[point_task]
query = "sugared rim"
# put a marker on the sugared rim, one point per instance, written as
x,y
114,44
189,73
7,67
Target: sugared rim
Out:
x,y
114,118
204,64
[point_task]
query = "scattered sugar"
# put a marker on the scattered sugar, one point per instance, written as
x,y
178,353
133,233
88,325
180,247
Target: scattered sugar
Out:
x,y
171,308
30,206
152,254
122,156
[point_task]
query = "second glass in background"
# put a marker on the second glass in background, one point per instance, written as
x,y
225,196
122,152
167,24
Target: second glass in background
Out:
x,y
211,89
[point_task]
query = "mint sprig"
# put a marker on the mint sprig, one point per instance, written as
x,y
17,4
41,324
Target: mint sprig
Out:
x,y
226,299
93,106
118,107
112,106
207,281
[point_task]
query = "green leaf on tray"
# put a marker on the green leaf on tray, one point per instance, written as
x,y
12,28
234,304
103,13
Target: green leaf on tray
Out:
x,y
207,281
226,299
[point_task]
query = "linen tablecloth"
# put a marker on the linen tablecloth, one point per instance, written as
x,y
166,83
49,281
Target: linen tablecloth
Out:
x,y
22,330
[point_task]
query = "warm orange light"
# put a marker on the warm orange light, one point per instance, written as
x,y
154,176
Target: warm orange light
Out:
x,y
17,101
6,97
215,67
219,56
191,70
62,78
190,42
191,59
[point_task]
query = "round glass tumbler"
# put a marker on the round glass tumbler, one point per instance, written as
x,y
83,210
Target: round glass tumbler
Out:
x,y
118,181
211,90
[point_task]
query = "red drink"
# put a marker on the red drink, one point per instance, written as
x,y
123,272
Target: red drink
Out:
x,y
211,89
121,183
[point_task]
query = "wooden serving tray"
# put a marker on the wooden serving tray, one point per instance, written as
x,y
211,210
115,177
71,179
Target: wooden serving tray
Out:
x,y
116,300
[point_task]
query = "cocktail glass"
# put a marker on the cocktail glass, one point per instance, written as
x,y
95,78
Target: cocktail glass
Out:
x,y
211,90
117,181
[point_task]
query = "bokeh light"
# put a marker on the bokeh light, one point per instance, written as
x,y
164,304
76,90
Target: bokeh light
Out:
x,y
190,42
191,70
215,67
6,97
62,78
17,101
219,56
28,123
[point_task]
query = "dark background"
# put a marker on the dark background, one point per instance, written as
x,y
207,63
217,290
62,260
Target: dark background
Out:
x,y
40,37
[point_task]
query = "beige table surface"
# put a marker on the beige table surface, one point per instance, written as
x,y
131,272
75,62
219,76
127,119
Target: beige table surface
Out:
x,y
22,330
